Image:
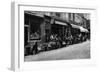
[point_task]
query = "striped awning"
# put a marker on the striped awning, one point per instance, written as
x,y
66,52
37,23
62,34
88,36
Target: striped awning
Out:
x,y
79,27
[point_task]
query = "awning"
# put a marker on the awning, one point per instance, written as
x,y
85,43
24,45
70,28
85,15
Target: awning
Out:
x,y
34,14
79,27
83,29
60,23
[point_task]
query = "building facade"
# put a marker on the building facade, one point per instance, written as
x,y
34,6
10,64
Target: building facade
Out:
x,y
43,28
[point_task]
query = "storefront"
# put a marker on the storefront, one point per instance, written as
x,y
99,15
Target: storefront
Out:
x,y
43,30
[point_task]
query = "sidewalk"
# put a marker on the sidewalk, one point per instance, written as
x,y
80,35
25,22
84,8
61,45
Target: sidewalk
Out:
x,y
77,51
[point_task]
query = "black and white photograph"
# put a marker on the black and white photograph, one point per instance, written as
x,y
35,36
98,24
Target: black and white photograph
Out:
x,y
56,36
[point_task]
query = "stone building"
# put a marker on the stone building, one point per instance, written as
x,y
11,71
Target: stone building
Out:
x,y
81,19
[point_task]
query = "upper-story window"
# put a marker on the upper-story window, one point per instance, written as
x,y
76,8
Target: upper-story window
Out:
x,y
58,15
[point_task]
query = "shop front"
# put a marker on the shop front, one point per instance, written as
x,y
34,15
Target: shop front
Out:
x,y
42,33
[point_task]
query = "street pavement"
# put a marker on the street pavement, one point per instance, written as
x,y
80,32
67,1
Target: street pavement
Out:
x,y
76,51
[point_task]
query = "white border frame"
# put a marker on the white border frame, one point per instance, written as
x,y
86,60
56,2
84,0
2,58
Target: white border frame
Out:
x,y
17,60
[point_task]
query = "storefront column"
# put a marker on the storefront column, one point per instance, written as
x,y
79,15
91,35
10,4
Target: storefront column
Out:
x,y
42,32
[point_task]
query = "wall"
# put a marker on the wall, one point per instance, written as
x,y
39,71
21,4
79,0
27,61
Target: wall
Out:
x,y
5,36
